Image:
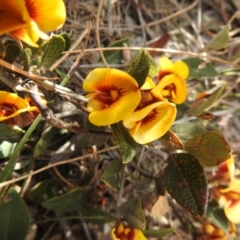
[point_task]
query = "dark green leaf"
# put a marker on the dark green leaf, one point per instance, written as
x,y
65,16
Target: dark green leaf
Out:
x,y
197,72
158,233
111,175
15,218
67,202
127,145
133,213
217,215
50,50
186,182
116,56
210,148
139,67
9,132
67,40
198,107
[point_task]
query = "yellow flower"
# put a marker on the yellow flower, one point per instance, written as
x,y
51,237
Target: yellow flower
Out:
x,y
12,105
27,20
126,233
152,118
172,78
114,95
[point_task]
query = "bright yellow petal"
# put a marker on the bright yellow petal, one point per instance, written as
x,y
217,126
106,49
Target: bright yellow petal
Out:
x,y
12,15
149,84
165,66
114,94
181,69
151,122
233,212
48,15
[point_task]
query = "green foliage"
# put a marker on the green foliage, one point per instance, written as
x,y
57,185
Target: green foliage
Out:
x,y
7,148
15,217
158,233
186,182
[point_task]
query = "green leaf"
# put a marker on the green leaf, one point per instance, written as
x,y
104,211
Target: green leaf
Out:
x,y
67,39
9,132
67,202
116,56
50,50
220,40
153,71
7,148
25,58
158,233
186,182
217,215
111,175
139,67
188,130
197,72
142,184
95,215
44,190
127,145
133,213
210,148
15,218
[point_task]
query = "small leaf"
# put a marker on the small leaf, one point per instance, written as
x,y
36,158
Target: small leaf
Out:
x,y
171,141
95,215
111,175
186,131
199,106
67,202
50,50
139,67
7,148
217,215
44,190
15,218
197,72
127,145
25,58
67,40
158,233
153,71
210,148
133,213
220,40
116,56
186,182
9,132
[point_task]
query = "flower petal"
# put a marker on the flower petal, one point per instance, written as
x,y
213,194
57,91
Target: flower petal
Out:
x,y
149,84
151,122
165,67
114,94
48,15
181,69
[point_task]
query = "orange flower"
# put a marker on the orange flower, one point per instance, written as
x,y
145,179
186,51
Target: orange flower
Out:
x,y
172,82
113,95
126,233
29,19
152,118
12,105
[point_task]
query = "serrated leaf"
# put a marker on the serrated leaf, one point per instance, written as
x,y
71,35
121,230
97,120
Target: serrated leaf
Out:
x,y
210,148
67,39
217,215
220,40
197,72
15,218
96,215
188,130
67,202
44,190
111,175
198,107
158,233
7,148
127,145
139,67
50,50
186,182
116,56
133,213
9,132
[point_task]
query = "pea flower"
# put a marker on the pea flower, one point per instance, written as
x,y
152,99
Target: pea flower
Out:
x,y
126,233
152,118
11,105
171,79
113,95
28,20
